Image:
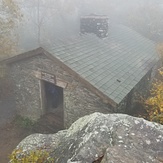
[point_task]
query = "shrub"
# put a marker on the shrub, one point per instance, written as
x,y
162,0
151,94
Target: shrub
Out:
x,y
154,104
24,122
37,156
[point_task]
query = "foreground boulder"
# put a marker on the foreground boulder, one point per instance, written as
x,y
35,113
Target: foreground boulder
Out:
x,y
113,137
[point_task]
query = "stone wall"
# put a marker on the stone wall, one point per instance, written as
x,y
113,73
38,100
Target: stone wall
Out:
x,y
134,99
155,73
141,91
78,101
26,89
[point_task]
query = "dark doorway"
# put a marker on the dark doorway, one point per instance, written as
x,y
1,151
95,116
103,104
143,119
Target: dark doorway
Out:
x,y
53,97
53,105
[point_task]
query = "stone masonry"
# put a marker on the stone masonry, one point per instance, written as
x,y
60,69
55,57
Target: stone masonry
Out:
x,y
78,101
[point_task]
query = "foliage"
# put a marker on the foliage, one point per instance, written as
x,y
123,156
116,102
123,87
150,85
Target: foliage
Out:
x,y
9,18
155,102
37,156
25,122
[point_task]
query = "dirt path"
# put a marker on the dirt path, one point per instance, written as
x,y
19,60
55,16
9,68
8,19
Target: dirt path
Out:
x,y
12,133
10,136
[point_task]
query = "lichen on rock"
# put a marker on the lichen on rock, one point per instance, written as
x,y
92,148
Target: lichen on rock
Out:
x,y
116,137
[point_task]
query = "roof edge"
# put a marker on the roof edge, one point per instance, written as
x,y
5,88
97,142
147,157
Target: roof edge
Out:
x,y
21,56
88,85
40,51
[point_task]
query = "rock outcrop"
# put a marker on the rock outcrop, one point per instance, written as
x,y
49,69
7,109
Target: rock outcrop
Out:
x,y
114,137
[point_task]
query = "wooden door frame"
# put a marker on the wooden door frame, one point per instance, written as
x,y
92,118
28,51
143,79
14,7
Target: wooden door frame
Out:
x,y
43,98
43,102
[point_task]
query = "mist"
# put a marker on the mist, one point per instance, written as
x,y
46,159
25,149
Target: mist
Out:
x,y
47,22
94,65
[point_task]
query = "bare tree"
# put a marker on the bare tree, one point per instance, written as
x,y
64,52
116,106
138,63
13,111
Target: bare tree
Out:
x,y
50,19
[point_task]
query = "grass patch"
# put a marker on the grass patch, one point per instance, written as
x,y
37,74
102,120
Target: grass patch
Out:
x,y
24,122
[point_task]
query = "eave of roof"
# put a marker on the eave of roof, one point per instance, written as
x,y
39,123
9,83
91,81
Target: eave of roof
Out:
x,y
41,51
22,56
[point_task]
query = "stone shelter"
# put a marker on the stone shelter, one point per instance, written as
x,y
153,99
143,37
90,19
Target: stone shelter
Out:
x,y
83,75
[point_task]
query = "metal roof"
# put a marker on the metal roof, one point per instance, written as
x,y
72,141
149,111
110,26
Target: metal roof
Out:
x,y
113,65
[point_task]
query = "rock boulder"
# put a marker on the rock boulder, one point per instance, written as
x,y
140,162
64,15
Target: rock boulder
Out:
x,y
114,137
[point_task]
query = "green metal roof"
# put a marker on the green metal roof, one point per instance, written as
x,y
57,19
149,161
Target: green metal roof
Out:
x,y
114,65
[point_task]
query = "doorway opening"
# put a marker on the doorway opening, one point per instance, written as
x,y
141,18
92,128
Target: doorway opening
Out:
x,y
53,97
52,101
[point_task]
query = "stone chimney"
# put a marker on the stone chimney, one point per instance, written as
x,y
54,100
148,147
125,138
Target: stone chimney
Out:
x,y
97,24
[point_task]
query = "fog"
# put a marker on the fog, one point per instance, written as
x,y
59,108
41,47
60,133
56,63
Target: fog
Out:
x,y
46,22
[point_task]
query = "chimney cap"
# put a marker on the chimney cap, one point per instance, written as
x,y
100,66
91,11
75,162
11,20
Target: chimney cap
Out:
x,y
94,16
